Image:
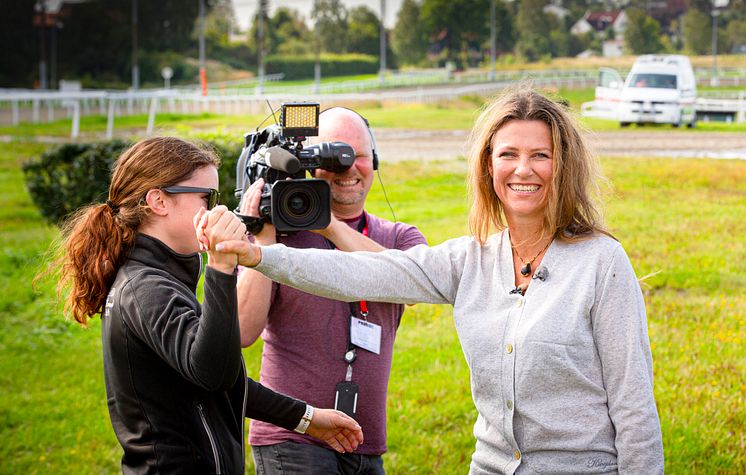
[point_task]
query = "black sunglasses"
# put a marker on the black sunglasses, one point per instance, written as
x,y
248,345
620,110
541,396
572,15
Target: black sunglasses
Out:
x,y
213,195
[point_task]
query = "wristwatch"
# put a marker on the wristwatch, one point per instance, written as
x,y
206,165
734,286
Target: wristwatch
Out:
x,y
305,421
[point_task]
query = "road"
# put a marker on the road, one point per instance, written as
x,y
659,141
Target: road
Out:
x,y
400,144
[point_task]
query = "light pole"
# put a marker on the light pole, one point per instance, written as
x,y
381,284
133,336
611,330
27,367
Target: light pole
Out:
x,y
382,72
715,80
493,39
317,65
53,55
260,46
202,68
41,9
135,65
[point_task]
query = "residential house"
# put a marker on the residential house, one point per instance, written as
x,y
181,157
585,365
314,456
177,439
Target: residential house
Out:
x,y
608,26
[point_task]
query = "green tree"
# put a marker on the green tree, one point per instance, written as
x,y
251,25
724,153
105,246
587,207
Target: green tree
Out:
x,y
643,33
289,33
331,23
364,31
507,34
408,38
219,23
533,34
703,6
465,24
736,33
697,32
560,39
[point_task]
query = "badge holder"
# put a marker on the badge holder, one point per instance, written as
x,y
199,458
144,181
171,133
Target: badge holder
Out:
x,y
345,399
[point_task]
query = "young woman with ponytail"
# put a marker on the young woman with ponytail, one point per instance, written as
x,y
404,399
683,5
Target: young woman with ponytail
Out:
x,y
175,380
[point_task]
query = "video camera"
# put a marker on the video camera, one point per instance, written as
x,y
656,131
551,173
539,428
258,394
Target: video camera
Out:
x,y
276,154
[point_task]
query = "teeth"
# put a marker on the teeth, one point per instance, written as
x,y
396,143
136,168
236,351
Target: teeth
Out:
x,y
524,187
346,182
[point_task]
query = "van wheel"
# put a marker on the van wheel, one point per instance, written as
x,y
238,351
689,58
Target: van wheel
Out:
x,y
623,124
693,123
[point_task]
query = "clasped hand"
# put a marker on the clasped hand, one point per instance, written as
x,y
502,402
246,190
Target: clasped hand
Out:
x,y
217,226
223,236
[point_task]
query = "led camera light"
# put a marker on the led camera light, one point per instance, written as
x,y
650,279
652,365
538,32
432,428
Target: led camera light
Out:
x,y
299,119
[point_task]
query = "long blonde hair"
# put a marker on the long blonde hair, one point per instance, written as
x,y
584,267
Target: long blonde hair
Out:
x,y
97,238
571,211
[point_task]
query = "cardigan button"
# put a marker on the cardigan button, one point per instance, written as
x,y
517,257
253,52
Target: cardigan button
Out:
x,y
509,348
517,454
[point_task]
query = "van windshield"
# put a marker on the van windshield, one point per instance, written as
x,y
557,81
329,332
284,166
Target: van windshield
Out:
x,y
659,81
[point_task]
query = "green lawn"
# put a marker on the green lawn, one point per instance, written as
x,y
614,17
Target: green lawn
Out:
x,y
681,221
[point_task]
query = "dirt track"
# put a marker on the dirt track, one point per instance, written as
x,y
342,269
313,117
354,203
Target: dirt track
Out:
x,y
399,144
410,144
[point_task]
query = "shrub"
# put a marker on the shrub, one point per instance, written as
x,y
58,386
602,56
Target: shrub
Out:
x,y
71,176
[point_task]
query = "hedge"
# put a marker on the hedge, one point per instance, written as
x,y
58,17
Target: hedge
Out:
x,y
302,67
71,176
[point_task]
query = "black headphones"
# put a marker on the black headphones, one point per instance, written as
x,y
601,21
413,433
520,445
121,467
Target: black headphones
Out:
x,y
370,132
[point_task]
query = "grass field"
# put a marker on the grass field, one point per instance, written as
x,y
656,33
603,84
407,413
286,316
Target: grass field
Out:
x,y
446,115
682,222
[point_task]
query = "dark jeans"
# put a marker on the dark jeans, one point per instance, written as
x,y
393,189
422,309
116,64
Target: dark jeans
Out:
x,y
305,459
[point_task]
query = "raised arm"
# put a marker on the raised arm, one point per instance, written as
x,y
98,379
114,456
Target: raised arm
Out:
x,y
419,274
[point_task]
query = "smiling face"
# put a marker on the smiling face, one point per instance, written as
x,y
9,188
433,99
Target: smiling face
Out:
x,y
521,168
349,188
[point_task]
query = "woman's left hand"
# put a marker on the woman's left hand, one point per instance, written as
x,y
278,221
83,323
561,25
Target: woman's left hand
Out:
x,y
335,428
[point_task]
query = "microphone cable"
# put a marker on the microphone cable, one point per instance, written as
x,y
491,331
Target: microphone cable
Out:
x,y
384,193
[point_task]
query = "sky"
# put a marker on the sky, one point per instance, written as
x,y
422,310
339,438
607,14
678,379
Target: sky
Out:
x,y
246,8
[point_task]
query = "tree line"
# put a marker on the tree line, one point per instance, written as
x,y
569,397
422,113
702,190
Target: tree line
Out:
x,y
93,40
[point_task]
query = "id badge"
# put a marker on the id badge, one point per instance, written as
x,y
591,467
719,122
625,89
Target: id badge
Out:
x,y
365,334
345,399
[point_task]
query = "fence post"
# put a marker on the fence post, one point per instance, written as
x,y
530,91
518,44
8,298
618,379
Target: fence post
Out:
x,y
35,111
110,119
76,120
16,113
151,114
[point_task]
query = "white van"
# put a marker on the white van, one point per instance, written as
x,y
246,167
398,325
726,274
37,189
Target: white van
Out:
x,y
659,89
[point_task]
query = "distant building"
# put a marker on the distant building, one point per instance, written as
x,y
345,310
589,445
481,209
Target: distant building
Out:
x,y
607,26
600,22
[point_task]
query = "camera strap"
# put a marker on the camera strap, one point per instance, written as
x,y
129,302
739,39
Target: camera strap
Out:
x,y
254,224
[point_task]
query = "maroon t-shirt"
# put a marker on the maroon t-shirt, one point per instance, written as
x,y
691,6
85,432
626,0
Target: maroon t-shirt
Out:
x,y
306,337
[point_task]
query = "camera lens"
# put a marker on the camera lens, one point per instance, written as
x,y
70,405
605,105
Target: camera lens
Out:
x,y
298,204
301,204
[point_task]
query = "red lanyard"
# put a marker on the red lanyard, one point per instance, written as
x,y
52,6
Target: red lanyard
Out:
x,y
362,228
363,304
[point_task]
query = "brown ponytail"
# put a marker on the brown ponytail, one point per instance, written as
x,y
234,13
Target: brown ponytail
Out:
x,y
97,238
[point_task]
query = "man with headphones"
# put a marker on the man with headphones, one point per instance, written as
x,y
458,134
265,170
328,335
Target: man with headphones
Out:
x,y
328,353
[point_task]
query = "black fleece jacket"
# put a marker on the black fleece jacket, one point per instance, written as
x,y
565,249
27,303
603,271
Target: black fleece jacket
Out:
x,y
175,379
